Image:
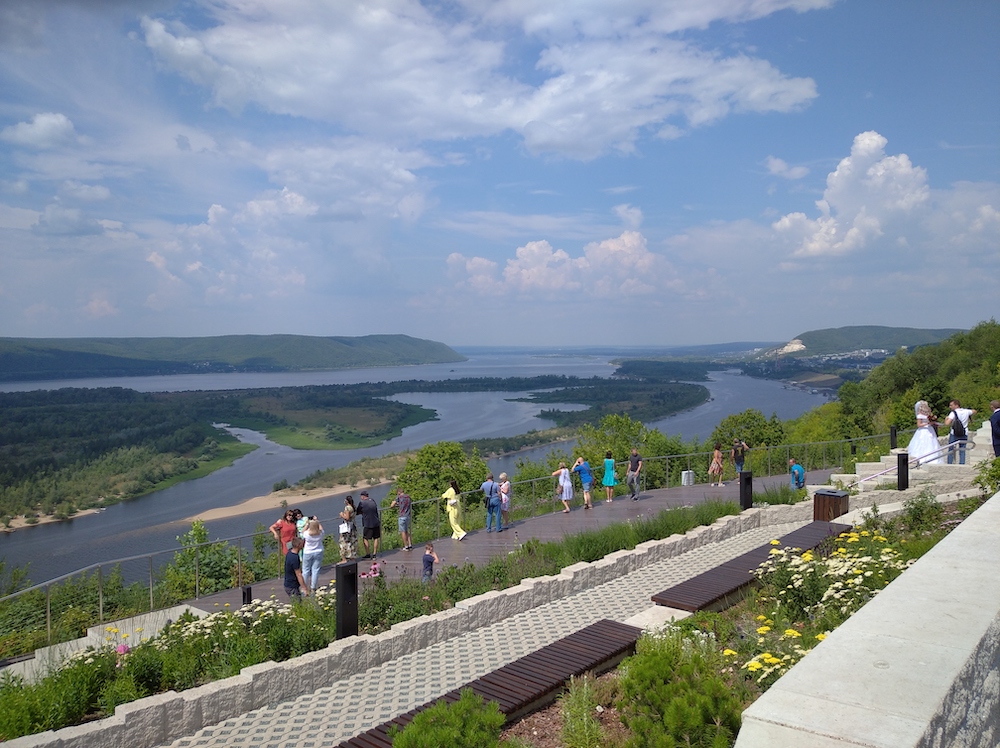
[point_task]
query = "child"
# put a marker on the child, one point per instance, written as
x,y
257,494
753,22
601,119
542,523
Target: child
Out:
x,y
430,558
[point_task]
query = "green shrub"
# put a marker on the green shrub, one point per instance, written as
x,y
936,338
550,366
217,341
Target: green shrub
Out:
x,y
673,693
468,722
988,476
581,729
782,494
923,513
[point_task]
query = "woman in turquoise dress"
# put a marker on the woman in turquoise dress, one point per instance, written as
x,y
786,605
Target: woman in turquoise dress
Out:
x,y
609,482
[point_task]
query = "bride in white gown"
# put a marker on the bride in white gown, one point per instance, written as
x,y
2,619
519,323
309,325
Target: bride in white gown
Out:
x,y
924,441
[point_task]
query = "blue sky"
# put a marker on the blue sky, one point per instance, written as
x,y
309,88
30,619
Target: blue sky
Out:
x,y
498,172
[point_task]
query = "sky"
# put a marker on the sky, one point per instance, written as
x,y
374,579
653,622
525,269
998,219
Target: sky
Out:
x,y
498,172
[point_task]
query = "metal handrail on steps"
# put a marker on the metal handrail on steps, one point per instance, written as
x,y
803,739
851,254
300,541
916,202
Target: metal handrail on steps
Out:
x,y
966,444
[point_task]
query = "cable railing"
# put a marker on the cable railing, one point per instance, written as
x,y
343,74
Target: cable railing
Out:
x,y
61,608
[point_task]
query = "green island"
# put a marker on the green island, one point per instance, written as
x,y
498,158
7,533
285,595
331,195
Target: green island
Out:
x,y
71,449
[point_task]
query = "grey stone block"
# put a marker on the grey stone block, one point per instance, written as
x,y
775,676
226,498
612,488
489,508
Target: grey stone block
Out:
x,y
145,720
270,683
50,739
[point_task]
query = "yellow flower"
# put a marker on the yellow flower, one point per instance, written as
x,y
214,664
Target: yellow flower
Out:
x,y
792,633
761,617
763,629
753,666
820,637
227,605
865,533
775,542
852,540
729,652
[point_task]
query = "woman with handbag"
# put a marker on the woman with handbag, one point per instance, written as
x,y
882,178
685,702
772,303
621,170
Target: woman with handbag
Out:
x,y
348,531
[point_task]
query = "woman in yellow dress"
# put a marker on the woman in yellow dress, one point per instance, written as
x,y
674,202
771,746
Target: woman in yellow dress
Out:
x,y
454,505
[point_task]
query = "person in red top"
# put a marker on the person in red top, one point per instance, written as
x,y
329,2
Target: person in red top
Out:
x,y
284,530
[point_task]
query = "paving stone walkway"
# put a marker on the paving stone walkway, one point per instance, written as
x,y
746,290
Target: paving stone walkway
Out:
x,y
350,706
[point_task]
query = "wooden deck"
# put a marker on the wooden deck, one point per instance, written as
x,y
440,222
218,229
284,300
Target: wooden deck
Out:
x,y
724,585
532,681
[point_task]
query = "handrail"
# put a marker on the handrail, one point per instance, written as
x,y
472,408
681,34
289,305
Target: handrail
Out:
x,y
966,444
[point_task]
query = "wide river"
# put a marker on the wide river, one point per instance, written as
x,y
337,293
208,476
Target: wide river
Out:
x,y
153,522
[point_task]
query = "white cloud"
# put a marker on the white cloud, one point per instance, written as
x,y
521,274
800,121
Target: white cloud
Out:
x,y
59,220
630,216
46,130
17,218
401,70
780,168
868,196
84,192
99,306
606,269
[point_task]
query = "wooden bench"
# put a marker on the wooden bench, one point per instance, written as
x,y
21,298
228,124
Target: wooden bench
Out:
x,y
722,586
531,681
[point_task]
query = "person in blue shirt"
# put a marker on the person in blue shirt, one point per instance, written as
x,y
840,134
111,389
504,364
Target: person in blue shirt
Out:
x,y
798,477
582,467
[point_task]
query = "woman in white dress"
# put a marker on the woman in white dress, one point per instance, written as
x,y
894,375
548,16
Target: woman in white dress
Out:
x,y
565,489
924,441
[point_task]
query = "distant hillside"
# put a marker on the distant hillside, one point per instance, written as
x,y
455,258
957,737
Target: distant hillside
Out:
x,y
24,359
845,339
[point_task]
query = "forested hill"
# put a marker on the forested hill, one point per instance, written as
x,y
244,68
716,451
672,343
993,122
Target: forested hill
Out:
x,y
24,359
846,339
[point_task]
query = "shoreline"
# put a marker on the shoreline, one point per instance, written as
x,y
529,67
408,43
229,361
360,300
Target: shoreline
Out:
x,y
273,501
19,522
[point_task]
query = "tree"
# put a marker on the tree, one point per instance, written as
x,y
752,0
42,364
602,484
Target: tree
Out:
x,y
427,473
751,426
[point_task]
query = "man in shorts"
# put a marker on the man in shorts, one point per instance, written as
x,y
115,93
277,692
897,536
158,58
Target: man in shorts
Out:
x,y
405,506
372,524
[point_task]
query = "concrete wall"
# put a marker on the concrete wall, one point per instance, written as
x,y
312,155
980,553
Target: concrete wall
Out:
x,y
919,665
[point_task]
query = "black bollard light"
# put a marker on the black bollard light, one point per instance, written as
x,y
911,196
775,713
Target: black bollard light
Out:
x,y
746,490
902,471
347,599
247,594
892,437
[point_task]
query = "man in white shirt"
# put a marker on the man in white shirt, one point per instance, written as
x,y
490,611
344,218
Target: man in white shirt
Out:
x,y
958,420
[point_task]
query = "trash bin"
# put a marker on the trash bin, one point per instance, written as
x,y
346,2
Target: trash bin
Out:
x,y
829,503
687,477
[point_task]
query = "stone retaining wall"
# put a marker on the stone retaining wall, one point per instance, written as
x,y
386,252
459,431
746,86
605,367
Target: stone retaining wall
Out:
x,y
917,666
163,718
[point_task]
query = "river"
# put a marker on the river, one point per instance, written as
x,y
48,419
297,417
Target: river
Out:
x,y
153,522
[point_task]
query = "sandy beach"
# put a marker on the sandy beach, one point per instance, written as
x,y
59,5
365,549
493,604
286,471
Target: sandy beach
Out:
x,y
293,498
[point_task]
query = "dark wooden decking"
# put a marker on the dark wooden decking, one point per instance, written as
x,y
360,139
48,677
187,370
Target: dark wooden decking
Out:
x,y
532,681
719,587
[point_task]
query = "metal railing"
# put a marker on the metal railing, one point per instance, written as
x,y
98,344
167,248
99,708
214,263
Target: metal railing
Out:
x,y
138,584
929,458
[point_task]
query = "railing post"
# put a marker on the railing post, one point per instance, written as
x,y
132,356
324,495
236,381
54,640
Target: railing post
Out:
x,y
48,614
151,583
892,437
239,561
100,595
197,571
902,471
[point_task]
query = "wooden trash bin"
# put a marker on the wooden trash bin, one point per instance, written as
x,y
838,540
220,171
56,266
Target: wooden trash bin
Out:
x,y
829,503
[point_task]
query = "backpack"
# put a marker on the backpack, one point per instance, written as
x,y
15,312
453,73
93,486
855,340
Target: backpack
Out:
x,y
957,427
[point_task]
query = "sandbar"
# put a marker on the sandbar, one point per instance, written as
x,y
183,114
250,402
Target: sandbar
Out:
x,y
291,497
